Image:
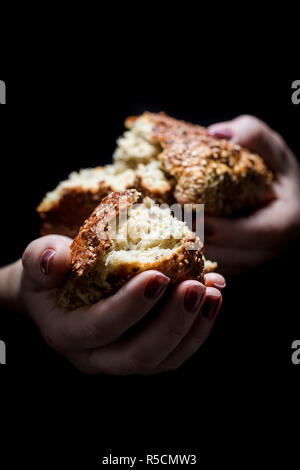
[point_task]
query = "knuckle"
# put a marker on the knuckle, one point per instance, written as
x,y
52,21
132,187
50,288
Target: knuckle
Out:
x,y
99,328
179,330
249,119
258,130
138,365
85,368
281,143
200,334
288,223
83,361
52,341
198,337
176,332
58,338
171,366
98,332
63,338
27,255
257,126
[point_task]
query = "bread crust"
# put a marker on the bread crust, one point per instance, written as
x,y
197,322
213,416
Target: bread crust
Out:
x,y
73,207
198,169
93,242
93,238
166,129
225,177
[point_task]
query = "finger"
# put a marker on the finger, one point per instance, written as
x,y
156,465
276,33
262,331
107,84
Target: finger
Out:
x,y
146,350
104,322
257,136
198,333
260,228
46,261
215,280
233,261
116,358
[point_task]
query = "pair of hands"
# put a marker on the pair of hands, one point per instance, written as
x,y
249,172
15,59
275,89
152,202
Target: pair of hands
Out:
x,y
92,337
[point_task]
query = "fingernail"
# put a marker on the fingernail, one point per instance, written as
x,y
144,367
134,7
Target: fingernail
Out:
x,y
208,230
192,298
219,285
221,133
210,307
156,286
45,260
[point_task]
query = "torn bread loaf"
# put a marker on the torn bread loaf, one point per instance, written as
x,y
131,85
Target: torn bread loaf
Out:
x,y
170,161
64,209
225,177
121,239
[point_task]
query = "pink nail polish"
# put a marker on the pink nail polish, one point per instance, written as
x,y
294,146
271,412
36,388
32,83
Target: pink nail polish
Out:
x,y
45,260
221,133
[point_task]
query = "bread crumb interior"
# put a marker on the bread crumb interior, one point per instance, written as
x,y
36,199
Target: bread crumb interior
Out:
x,y
149,233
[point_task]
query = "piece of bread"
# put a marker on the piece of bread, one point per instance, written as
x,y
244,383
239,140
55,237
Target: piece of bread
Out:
x,y
224,177
158,128
170,161
152,182
64,209
121,239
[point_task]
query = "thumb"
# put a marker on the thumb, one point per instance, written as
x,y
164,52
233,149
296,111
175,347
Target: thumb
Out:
x,y
257,136
46,261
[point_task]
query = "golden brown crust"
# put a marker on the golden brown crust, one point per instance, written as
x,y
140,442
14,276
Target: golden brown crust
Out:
x,y
68,213
224,177
91,244
199,169
221,175
183,264
94,236
166,129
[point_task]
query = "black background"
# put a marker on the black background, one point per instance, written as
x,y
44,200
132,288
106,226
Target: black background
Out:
x,y
240,391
